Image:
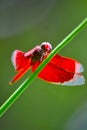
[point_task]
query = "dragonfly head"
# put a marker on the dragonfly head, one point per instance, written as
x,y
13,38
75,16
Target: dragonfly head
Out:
x,y
46,47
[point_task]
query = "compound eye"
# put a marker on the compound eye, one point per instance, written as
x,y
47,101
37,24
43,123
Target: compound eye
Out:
x,y
46,46
43,47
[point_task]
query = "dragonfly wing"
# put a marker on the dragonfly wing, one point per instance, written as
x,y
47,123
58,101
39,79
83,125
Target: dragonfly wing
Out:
x,y
58,73
67,64
16,56
18,75
21,63
19,60
78,79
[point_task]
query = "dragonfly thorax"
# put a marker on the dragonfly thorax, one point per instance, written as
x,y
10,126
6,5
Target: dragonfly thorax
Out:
x,y
38,55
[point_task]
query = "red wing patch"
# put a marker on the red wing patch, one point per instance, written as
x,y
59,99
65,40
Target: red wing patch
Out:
x,y
67,64
61,70
20,61
52,73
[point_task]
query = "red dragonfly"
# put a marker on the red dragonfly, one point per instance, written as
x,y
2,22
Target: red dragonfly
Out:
x,y
60,70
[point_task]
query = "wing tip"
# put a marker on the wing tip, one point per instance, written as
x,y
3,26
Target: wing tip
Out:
x,y
78,79
14,56
10,83
78,67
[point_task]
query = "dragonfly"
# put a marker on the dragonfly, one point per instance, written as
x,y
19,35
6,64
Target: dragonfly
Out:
x,y
60,70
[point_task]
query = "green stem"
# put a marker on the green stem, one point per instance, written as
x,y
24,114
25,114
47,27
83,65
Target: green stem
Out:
x,y
29,80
